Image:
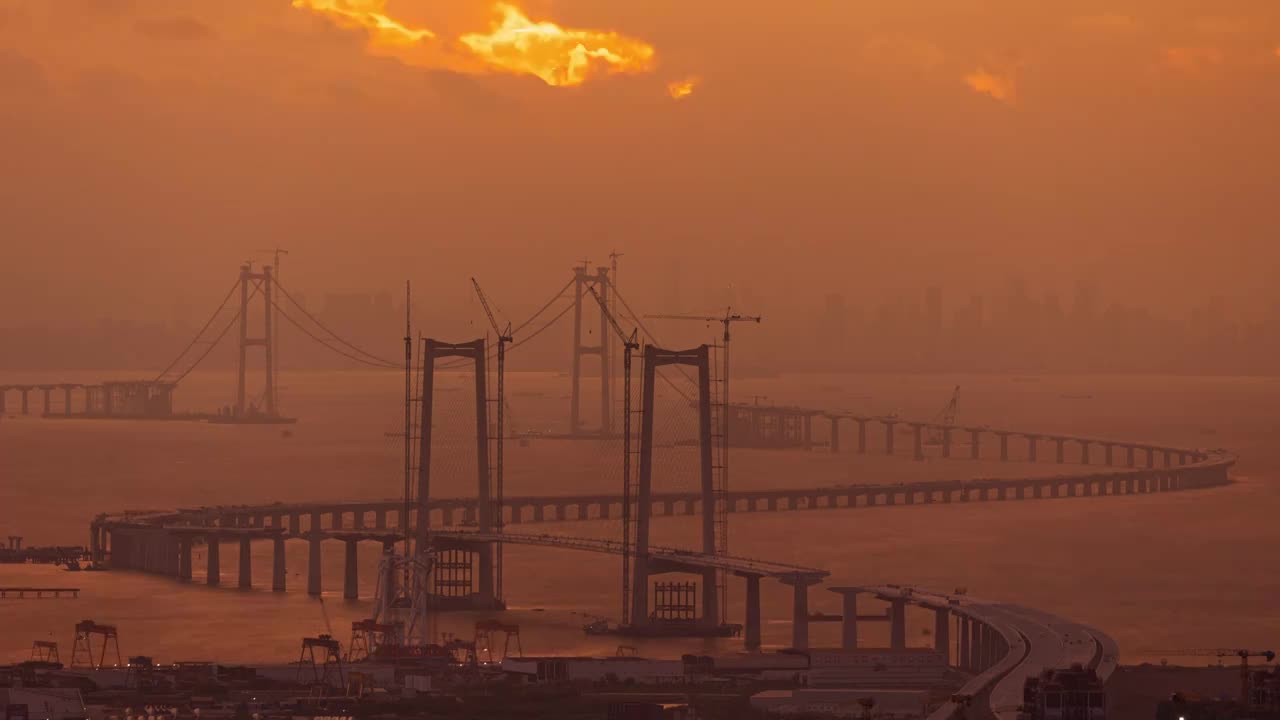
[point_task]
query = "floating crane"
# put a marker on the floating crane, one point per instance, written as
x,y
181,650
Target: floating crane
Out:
x,y
629,344
1244,655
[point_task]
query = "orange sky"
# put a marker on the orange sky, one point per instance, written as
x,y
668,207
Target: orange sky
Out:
x,y
151,145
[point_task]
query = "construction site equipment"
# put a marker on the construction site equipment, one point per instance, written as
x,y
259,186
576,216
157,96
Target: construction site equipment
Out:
x,y
45,651
486,636
82,646
369,635
630,343
504,336
720,408
945,417
328,673
1244,655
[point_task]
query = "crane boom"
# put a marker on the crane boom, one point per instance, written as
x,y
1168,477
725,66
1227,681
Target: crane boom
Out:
x,y
488,311
629,341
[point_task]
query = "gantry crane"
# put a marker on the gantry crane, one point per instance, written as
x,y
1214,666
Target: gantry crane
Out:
x,y
629,344
721,465
504,337
1244,655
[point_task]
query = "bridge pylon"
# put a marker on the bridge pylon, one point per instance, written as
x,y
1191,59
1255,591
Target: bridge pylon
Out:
x,y
465,575
659,618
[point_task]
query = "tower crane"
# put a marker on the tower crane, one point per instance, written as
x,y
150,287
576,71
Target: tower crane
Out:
x,y
1244,655
504,337
629,344
945,416
722,464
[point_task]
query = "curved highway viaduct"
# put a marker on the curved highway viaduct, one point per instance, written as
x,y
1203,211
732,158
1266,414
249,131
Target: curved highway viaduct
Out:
x,y
160,541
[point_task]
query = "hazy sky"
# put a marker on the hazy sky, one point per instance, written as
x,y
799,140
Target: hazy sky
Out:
x,y
149,146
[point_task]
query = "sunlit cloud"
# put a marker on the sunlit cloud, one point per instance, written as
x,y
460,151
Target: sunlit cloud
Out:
x,y
1000,87
513,44
681,89
559,56
369,15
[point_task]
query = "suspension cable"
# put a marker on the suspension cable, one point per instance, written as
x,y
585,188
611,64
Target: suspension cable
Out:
x,y
216,340
384,362
200,333
308,333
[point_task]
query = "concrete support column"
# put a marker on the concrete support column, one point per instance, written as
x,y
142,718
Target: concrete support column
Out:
x,y
1004,447
975,444
917,441
1062,450
1107,454
849,621
752,625
799,612
962,661
977,649
26,409
313,564
1151,457
295,524
942,633
246,564
48,393
1168,457
835,435
335,520
315,522
537,513
888,437
277,564
1130,451
898,624
1084,452
351,578
357,518
862,437
1032,448
380,520
213,570
184,558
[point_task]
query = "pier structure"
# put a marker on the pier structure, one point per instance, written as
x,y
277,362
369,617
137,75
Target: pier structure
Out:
x,y
160,541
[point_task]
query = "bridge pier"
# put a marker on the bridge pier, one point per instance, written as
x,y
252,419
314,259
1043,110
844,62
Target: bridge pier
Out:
x,y
1004,446
799,610
1062,449
862,436
48,399
946,442
1107,455
942,633
1084,452
277,564
975,447
898,624
1131,451
184,558
917,441
1031,447
538,513
66,400
213,569
849,618
888,436
964,660
335,520
357,519
313,563
751,628
380,520
351,578
835,434
246,564
1151,457
1168,459
25,408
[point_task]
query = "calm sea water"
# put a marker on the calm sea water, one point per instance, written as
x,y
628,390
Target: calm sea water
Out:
x,y
1188,569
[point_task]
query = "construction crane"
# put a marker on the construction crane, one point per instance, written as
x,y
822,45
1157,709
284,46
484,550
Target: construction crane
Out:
x,y
504,337
629,344
1244,655
722,461
945,416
